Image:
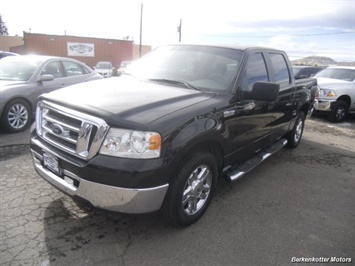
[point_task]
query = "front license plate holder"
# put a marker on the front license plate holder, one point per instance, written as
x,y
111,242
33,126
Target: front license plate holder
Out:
x,y
51,162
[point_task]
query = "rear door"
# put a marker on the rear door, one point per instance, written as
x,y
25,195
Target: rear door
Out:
x,y
75,73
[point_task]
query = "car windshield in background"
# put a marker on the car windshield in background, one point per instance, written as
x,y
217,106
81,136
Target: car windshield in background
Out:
x,y
199,67
104,65
337,73
17,68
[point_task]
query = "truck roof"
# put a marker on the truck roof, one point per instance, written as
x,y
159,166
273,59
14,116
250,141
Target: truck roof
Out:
x,y
230,46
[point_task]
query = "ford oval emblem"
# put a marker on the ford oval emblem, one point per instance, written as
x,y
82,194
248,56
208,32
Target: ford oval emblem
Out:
x,y
56,129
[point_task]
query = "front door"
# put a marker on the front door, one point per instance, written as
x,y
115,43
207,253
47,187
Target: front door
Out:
x,y
247,122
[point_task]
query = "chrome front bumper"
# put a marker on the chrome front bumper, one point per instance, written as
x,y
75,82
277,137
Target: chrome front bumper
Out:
x,y
323,105
112,198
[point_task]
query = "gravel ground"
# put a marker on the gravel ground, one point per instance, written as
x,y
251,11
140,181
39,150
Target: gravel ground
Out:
x,y
297,204
341,135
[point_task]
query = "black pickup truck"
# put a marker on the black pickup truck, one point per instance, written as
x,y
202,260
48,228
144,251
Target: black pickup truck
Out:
x,y
160,136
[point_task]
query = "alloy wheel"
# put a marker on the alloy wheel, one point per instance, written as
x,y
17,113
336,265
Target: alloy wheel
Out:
x,y
197,189
17,116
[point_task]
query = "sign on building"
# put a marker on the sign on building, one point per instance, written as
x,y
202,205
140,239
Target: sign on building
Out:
x,y
81,49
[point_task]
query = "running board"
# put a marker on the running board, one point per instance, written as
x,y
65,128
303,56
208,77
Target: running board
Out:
x,y
255,161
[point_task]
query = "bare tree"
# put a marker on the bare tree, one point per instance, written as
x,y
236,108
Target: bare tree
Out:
x,y
3,28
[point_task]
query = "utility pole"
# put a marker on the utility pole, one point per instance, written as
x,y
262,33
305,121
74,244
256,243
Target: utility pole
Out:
x,y
140,34
179,30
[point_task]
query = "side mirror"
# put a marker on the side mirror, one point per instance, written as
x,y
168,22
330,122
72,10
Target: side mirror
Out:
x,y
45,77
265,91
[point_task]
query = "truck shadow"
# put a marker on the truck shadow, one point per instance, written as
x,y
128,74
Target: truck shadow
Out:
x,y
13,151
80,235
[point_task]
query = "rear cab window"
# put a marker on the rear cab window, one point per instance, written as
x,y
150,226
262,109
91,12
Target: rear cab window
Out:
x,y
280,69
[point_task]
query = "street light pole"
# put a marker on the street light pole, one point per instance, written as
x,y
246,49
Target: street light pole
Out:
x,y
140,34
179,30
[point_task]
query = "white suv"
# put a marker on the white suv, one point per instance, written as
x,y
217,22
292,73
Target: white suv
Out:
x,y
337,92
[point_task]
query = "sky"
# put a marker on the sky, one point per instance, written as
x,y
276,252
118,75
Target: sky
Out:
x,y
300,27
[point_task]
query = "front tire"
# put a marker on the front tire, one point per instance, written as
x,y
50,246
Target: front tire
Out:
x,y
191,191
16,116
294,137
339,111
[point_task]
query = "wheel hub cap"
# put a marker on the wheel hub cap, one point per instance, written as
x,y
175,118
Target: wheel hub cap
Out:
x,y
197,189
17,116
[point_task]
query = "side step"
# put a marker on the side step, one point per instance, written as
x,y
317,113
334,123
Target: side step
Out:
x,y
255,161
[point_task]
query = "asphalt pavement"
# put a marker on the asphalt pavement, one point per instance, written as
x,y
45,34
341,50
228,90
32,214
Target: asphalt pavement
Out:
x,y
296,208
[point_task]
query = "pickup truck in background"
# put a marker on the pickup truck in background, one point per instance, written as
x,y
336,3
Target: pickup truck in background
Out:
x,y
337,92
160,136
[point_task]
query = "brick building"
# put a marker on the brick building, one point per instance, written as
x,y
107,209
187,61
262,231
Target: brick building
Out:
x,y
85,49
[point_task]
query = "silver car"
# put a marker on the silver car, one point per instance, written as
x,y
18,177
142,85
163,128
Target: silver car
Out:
x,y
24,78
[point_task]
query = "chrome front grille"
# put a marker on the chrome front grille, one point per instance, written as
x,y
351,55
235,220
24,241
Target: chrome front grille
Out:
x,y
71,131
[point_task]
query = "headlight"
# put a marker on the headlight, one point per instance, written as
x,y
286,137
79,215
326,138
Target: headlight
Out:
x,y
131,144
327,93
41,113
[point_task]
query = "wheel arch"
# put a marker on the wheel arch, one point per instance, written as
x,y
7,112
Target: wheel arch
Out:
x,y
346,99
195,146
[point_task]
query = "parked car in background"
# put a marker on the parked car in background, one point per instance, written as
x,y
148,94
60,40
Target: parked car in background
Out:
x,y
337,92
24,78
4,54
123,66
301,72
104,68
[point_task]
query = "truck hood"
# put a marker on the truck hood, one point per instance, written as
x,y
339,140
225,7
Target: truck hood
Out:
x,y
127,99
329,83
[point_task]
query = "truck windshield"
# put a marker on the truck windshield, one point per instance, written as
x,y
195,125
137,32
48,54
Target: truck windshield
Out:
x,y
201,67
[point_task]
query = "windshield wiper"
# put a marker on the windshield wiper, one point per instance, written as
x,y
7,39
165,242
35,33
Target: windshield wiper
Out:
x,y
176,82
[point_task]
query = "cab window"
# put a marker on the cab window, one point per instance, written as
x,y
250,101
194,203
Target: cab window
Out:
x,y
255,72
282,75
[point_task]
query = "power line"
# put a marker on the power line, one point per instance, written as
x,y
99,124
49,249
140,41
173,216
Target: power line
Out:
x,y
268,36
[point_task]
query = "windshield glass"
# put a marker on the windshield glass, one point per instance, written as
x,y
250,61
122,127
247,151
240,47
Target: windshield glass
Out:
x,y
104,65
17,68
337,73
203,67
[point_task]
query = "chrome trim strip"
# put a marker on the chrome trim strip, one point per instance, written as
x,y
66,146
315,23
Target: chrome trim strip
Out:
x,y
71,140
82,145
37,155
75,129
98,139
